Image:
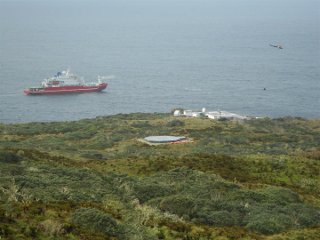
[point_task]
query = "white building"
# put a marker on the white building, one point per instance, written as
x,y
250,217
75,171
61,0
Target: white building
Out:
x,y
177,113
224,114
187,113
212,114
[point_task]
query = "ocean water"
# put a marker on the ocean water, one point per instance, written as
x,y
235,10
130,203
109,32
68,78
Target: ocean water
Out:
x,y
163,54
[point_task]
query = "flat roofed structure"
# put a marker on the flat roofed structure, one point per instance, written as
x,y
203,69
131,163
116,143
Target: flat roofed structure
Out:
x,y
164,139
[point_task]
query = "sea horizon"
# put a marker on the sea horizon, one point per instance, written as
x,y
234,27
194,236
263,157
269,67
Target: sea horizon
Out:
x,y
163,54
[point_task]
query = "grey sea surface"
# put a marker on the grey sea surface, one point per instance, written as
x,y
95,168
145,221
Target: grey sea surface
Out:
x,y
163,54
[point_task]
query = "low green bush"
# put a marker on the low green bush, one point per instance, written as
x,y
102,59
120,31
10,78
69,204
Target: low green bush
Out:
x,y
281,196
142,124
303,214
95,220
179,205
217,218
175,123
147,191
269,224
9,157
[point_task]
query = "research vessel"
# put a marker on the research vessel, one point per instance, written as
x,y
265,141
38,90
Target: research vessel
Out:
x,y
66,82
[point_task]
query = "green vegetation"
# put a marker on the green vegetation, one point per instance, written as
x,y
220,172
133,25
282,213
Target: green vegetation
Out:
x,y
93,179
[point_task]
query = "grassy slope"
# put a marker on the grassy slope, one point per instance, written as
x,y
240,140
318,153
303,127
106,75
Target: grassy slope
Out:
x,y
58,178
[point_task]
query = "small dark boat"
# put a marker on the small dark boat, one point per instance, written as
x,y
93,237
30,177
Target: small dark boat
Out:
x,y
276,46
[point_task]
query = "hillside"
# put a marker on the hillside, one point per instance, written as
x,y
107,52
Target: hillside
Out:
x,y
93,179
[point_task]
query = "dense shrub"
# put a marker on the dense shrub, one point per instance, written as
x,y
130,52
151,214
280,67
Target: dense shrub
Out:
x,y
217,218
145,192
245,157
280,196
303,214
179,205
269,224
93,155
175,123
271,218
247,196
208,199
9,157
141,124
96,221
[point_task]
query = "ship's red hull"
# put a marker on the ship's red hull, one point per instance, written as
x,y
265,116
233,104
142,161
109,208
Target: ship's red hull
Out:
x,y
65,89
